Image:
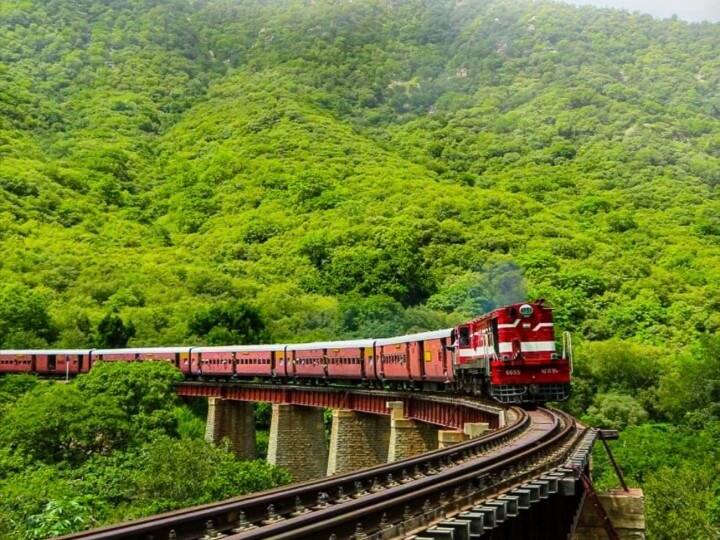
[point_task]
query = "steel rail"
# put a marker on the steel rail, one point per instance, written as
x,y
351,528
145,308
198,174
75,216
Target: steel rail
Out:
x,y
380,510
192,522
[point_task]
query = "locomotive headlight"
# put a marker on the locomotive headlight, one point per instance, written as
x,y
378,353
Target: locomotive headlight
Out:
x,y
526,310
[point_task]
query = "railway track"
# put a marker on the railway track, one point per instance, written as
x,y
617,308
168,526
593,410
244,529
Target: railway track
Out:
x,y
388,501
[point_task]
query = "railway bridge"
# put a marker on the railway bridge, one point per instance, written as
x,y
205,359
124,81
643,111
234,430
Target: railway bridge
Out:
x,y
399,465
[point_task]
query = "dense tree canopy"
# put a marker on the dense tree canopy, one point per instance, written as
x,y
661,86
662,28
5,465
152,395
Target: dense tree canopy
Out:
x,y
109,446
160,158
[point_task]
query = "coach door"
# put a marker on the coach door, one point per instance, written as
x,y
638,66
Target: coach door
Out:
x,y
51,364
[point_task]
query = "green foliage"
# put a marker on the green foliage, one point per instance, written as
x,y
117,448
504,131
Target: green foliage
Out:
x,y
393,267
139,387
623,365
677,468
263,415
26,494
144,391
61,423
683,502
228,324
690,391
109,446
189,425
617,369
262,441
113,332
359,161
209,474
58,518
12,387
24,318
615,411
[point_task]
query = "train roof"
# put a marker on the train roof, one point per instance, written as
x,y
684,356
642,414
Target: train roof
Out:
x,y
45,351
238,348
539,303
421,336
143,350
347,344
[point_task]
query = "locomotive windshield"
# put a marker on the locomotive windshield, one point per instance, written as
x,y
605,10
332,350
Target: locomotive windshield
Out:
x,y
464,336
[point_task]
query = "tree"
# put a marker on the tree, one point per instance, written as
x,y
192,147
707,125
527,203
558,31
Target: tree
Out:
x,y
12,387
144,390
692,387
54,423
228,324
179,473
141,387
680,502
24,320
622,365
615,411
113,333
374,316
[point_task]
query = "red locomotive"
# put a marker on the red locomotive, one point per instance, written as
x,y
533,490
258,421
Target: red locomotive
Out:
x,y
509,354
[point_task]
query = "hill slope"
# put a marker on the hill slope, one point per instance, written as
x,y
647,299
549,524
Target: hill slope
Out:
x,y
351,168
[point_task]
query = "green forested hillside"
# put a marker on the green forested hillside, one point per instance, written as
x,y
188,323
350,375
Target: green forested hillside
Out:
x,y
215,171
336,164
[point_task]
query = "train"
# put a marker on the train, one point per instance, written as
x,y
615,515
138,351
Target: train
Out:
x,y
509,354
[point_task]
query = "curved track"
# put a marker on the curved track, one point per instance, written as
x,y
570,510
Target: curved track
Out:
x,y
378,500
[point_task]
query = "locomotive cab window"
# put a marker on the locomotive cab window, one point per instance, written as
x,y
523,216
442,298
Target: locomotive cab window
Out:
x,y
495,336
464,336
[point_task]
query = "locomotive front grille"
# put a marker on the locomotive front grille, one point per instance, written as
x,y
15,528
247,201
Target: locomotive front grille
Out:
x,y
536,393
509,393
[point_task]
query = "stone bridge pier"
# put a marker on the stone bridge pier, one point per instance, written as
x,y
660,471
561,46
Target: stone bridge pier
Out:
x,y
233,421
298,441
357,440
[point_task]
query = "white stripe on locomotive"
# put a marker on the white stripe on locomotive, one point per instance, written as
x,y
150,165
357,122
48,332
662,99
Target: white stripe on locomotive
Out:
x,y
507,347
517,322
